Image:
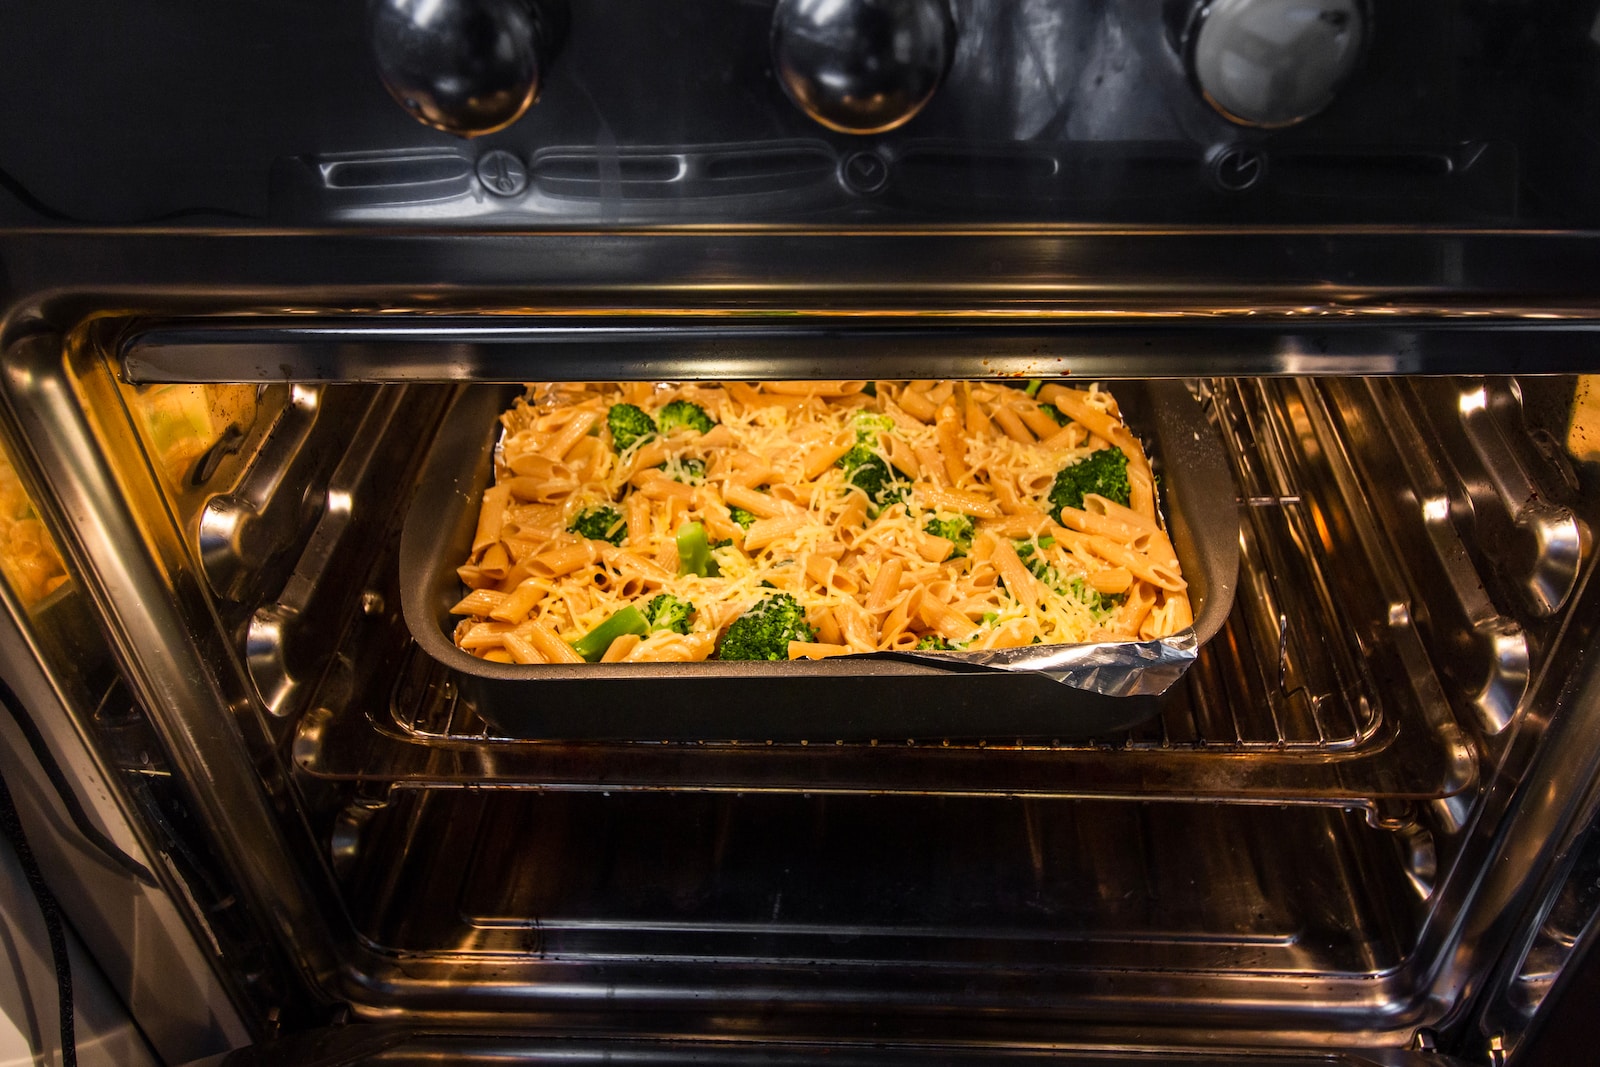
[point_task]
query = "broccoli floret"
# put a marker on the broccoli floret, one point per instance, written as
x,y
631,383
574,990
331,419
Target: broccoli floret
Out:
x,y
684,413
1027,551
694,551
871,473
934,643
764,631
956,529
600,524
1100,605
629,425
1104,472
684,469
741,516
868,471
667,612
592,645
870,425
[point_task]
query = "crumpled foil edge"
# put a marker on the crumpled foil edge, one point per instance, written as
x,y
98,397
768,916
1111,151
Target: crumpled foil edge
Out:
x,y
1109,668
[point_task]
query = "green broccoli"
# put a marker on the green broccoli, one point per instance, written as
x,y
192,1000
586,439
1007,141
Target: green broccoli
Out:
x,y
741,516
1100,605
629,426
1033,387
764,631
592,645
694,551
865,469
600,524
1104,472
684,413
957,530
684,469
667,612
871,473
870,426
934,643
1027,551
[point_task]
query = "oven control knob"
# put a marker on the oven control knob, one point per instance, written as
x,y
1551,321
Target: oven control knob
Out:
x,y
467,67
861,66
1269,63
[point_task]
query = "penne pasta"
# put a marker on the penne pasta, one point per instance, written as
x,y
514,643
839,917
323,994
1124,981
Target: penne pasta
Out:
x,y
914,516
763,532
916,404
515,608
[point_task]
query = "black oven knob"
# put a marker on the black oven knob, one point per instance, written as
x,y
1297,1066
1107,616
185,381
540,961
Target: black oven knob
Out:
x,y
1268,63
861,66
467,67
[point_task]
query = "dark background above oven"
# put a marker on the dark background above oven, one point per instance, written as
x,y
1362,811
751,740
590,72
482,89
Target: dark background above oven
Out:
x,y
1476,112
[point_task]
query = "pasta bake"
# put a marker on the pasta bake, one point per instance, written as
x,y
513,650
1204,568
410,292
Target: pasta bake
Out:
x,y
640,522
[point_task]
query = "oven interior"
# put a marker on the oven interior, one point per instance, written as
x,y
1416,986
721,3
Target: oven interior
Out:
x,y
1287,854
1363,819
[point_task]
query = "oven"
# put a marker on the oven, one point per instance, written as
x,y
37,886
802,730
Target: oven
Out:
x,y
1359,829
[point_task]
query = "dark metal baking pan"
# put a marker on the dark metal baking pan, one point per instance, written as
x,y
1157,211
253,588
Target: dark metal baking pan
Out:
x,y
866,697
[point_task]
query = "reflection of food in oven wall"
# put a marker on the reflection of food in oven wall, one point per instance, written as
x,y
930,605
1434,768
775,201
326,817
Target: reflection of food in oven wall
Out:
x,y
183,422
28,556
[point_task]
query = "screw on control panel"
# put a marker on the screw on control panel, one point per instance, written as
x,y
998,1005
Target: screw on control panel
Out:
x,y
502,173
371,603
864,173
1235,168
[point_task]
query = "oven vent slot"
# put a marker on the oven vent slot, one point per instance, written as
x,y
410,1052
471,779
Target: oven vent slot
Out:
x,y
711,173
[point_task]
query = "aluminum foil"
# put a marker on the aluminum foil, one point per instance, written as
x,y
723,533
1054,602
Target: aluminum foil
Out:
x,y
1109,668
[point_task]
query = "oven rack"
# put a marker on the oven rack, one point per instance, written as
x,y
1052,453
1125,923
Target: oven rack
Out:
x,y
1316,691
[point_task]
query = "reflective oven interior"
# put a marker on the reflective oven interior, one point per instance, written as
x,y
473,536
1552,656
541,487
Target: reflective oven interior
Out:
x,y
1362,823
1293,852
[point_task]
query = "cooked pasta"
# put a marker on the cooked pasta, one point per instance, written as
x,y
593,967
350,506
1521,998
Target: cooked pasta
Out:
x,y
898,515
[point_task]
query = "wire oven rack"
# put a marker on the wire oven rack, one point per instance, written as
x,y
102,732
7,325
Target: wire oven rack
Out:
x,y
1318,690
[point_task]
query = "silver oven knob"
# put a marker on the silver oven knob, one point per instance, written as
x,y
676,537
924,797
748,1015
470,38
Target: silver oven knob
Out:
x,y
1269,63
467,67
861,66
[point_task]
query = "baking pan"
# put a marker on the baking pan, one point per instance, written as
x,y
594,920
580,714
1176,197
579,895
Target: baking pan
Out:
x,y
884,696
